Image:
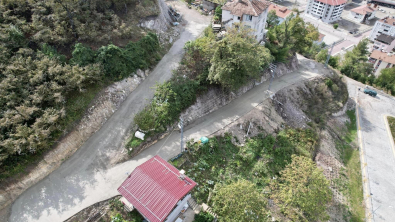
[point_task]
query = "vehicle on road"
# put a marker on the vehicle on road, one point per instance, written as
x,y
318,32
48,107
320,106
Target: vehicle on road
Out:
x,y
371,92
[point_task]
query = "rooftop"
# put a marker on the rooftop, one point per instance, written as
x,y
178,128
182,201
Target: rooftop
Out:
x,y
333,2
320,37
389,21
154,188
388,58
246,7
281,11
364,9
385,38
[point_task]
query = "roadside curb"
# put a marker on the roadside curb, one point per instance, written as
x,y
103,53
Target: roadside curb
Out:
x,y
389,133
365,177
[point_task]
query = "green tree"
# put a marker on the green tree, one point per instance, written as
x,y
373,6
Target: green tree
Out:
x,y
239,201
302,191
237,58
321,56
83,55
355,63
387,79
335,26
272,19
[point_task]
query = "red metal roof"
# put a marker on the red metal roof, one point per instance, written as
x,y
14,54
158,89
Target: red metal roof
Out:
x,y
154,188
333,2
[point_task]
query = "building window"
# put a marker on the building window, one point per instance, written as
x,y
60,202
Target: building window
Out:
x,y
248,17
238,18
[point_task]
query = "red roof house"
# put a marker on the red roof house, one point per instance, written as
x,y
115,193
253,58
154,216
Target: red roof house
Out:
x,y
157,190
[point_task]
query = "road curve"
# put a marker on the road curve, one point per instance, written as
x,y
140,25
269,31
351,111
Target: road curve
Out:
x,y
69,188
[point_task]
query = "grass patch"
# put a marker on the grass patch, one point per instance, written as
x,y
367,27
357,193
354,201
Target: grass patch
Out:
x,y
350,156
391,123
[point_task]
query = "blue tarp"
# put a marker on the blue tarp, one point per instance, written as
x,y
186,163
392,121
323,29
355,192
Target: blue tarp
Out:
x,y
204,140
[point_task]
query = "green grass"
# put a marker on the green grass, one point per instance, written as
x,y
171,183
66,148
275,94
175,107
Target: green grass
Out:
x,y
350,156
391,123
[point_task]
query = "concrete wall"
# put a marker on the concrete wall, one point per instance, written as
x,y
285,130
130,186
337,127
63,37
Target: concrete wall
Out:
x,y
173,215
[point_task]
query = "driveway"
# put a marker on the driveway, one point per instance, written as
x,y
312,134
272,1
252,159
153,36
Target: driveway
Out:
x,y
74,185
378,154
83,179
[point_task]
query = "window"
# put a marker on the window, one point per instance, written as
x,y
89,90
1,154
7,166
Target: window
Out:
x,y
238,18
248,17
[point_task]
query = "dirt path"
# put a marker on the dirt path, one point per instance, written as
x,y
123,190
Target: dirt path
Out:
x,y
63,192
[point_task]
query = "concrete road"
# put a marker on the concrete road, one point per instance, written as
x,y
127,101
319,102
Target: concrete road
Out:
x,y
83,179
377,152
69,189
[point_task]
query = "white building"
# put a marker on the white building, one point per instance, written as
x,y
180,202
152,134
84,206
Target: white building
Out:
x,y
251,13
384,26
385,43
328,11
381,60
282,12
364,13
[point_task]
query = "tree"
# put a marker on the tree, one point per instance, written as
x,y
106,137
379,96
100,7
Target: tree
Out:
x,y
272,19
291,36
335,26
239,201
237,58
321,56
387,79
302,191
355,63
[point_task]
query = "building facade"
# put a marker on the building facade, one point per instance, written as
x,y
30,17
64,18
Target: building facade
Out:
x,y
381,60
384,26
329,11
385,43
251,13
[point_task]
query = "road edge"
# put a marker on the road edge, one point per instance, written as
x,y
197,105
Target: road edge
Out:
x,y
365,177
389,132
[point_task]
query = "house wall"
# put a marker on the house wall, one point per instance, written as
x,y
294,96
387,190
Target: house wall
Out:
x,y
384,28
174,214
379,65
327,13
257,23
356,16
380,45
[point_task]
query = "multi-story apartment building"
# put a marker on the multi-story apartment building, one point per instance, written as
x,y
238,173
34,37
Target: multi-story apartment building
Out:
x,y
328,11
381,60
384,26
251,13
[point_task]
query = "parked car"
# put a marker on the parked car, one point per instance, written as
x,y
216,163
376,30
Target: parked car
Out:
x,y
370,92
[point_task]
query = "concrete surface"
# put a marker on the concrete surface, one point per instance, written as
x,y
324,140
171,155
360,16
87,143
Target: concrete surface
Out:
x,y
82,181
71,187
377,152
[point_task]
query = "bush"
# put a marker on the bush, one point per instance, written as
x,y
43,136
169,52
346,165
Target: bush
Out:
x,y
335,26
329,83
203,217
83,55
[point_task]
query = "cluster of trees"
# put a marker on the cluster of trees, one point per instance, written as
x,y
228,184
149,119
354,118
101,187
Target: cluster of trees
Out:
x,y
36,80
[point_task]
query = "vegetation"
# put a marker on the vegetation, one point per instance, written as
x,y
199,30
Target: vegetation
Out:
x,y
203,217
302,191
46,82
239,201
272,19
391,123
386,79
292,35
118,214
335,26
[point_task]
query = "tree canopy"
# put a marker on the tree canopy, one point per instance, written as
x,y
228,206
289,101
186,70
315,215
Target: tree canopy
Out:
x,y
302,191
239,201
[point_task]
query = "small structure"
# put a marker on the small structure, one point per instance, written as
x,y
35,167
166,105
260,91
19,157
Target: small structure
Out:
x,y
320,39
251,13
381,60
157,190
384,42
364,13
329,11
212,4
282,12
383,26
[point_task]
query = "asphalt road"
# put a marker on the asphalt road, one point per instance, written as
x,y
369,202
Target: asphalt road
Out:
x,y
67,190
378,153
83,179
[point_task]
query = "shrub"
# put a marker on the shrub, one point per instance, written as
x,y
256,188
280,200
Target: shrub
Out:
x,y
203,217
335,26
329,83
83,55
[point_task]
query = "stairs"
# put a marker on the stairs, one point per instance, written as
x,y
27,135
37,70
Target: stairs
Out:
x,y
192,203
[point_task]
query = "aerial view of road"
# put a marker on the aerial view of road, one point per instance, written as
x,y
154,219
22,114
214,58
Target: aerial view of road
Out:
x,y
378,151
81,181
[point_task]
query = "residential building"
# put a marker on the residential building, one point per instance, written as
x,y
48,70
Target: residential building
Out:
x,y
381,60
364,13
383,26
385,43
251,13
157,190
282,12
329,11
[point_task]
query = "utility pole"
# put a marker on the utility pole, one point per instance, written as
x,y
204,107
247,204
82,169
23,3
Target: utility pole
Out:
x,y
329,55
272,68
181,125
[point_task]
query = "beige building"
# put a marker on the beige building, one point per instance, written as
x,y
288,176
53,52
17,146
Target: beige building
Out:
x,y
381,60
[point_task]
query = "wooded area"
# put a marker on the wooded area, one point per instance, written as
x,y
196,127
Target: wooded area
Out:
x,y
46,57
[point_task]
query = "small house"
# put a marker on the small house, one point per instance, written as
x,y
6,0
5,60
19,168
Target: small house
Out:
x,y
157,190
282,12
364,13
